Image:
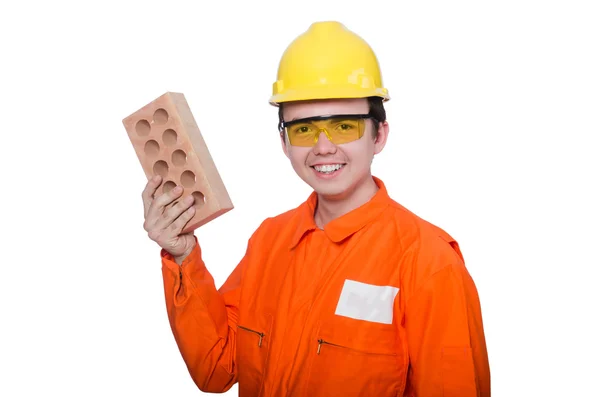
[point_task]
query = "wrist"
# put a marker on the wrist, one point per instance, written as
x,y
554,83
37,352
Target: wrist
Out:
x,y
180,258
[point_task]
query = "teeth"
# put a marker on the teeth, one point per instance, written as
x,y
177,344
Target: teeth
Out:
x,y
328,168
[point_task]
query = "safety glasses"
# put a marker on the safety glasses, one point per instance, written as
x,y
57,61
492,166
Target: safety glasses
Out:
x,y
339,129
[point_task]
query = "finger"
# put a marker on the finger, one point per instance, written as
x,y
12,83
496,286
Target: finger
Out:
x,y
172,213
177,226
148,192
157,207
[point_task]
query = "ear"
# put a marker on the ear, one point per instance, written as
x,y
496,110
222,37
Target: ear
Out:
x,y
381,138
284,145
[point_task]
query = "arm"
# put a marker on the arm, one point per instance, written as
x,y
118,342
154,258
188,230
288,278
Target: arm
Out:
x,y
203,319
445,335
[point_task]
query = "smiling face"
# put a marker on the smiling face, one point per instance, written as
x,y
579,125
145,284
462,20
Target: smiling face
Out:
x,y
334,171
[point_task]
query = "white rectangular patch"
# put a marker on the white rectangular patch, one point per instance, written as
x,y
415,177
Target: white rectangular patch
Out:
x,y
367,302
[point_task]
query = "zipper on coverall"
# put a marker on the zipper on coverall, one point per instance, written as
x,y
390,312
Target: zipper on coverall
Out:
x,y
260,334
322,341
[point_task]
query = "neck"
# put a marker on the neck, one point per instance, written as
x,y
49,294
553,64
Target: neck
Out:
x,y
332,207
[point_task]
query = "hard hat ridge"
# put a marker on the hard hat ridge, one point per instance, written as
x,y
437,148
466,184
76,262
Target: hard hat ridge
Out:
x,y
327,61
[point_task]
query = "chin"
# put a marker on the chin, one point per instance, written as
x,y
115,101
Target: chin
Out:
x,y
330,192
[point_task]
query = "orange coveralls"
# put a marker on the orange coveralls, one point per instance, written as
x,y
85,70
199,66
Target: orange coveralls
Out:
x,y
379,303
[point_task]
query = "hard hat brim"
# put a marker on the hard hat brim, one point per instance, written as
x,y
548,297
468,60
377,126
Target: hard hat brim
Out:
x,y
328,92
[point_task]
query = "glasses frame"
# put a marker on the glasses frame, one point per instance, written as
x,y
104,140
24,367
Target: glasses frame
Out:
x,y
284,124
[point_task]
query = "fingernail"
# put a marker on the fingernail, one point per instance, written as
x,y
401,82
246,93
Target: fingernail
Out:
x,y
189,199
177,189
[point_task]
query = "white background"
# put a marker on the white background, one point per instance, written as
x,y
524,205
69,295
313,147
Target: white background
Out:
x,y
494,137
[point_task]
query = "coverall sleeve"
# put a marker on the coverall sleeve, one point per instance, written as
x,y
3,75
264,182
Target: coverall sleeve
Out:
x,y
203,319
446,342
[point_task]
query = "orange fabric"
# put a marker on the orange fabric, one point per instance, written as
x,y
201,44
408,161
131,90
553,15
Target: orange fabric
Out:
x,y
273,326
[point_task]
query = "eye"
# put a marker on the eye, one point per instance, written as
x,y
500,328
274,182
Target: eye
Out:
x,y
302,129
344,127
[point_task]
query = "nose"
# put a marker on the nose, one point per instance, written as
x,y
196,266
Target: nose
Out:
x,y
324,145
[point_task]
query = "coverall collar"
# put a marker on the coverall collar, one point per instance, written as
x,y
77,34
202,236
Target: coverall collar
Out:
x,y
346,225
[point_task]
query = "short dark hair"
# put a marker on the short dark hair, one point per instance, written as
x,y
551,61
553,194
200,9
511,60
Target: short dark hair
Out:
x,y
376,110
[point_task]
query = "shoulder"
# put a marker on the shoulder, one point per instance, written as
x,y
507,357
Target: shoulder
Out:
x,y
428,250
277,224
428,246
281,220
416,228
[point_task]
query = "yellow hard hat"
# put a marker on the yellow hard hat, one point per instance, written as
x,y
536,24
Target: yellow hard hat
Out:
x,y
328,61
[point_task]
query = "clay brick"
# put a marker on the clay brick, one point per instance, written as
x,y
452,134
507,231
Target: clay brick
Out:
x,y
168,142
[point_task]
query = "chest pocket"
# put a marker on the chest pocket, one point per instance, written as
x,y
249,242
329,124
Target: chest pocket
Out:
x,y
252,353
357,358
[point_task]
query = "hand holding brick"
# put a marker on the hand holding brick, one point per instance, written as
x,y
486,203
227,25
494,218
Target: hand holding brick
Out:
x,y
168,143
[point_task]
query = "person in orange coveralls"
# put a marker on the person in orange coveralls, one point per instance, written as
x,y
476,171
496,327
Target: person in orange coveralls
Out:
x,y
348,294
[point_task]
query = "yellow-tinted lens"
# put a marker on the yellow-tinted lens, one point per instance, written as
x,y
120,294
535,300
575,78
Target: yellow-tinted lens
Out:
x,y
338,131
